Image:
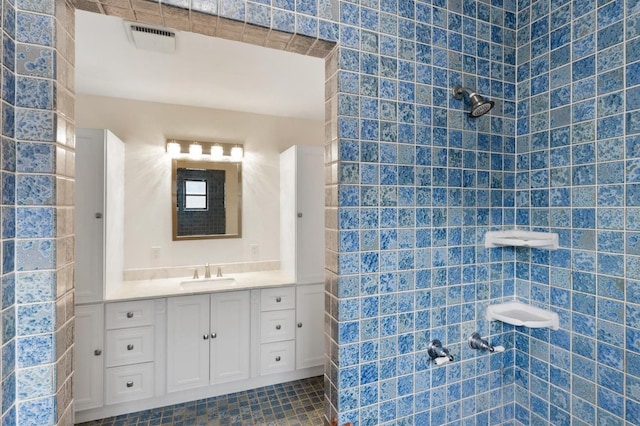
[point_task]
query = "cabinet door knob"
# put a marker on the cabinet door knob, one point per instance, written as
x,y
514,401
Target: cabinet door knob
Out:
x,y
205,336
214,335
278,327
97,352
278,358
299,214
98,215
129,347
299,325
129,314
129,384
278,299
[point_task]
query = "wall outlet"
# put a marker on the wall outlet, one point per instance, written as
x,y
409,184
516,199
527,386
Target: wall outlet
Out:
x,y
155,252
255,251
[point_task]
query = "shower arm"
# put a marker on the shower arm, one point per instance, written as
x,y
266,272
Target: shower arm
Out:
x,y
459,91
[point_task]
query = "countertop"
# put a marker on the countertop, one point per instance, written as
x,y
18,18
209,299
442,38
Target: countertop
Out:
x,y
149,289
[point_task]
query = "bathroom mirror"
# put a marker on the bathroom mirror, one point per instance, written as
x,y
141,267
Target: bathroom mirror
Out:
x,y
206,199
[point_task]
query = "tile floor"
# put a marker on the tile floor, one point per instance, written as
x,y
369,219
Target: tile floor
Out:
x,y
299,403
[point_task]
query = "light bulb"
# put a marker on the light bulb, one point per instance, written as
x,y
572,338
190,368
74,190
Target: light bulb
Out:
x,y
236,153
195,150
217,152
173,149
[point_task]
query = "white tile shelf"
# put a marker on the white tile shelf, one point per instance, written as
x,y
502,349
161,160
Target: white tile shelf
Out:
x,y
521,314
518,238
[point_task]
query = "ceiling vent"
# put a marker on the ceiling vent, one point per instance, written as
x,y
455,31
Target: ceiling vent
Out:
x,y
150,38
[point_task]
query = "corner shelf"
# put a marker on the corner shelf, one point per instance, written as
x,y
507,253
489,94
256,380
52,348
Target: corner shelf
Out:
x,y
520,314
518,238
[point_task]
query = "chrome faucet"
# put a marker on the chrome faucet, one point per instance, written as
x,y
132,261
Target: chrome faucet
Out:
x,y
195,274
219,274
207,271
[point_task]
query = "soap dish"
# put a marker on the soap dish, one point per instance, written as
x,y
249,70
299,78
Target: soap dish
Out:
x,y
521,314
520,238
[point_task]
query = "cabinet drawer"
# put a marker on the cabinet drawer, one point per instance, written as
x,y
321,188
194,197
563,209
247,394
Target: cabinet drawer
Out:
x,y
276,326
129,346
277,357
129,314
129,383
272,299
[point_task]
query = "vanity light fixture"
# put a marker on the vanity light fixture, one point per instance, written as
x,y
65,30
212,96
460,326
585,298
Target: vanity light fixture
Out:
x,y
236,153
173,149
217,152
205,151
195,150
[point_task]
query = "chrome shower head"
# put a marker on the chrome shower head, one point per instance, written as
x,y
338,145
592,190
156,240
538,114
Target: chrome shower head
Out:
x,y
479,106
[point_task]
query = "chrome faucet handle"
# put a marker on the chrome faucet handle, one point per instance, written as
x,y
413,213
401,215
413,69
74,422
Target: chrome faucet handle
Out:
x,y
207,271
477,342
195,274
219,274
436,350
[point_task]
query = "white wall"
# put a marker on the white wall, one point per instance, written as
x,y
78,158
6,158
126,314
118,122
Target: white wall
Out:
x,y
144,127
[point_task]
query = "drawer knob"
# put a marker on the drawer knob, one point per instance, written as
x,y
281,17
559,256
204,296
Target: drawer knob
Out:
x,y
129,314
129,347
278,299
214,335
205,336
129,384
278,358
299,325
97,352
278,327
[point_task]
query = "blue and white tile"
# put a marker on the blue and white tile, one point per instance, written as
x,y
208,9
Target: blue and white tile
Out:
x,y
41,411
35,318
34,28
32,255
35,222
35,382
34,125
35,350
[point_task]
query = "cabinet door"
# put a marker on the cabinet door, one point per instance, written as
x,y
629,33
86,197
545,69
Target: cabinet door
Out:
x,y
230,334
310,325
88,357
187,342
89,215
310,215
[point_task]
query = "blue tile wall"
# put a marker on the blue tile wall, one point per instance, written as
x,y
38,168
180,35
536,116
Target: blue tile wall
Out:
x,y
583,372
35,358
417,184
8,231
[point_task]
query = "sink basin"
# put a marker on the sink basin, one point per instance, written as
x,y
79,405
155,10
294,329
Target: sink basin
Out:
x,y
208,284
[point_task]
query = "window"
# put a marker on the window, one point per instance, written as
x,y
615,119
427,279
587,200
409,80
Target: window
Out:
x,y
195,195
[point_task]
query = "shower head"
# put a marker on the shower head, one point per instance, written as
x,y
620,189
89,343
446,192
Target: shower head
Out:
x,y
479,106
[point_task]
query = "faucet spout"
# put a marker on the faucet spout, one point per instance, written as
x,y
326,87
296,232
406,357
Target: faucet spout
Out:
x,y
207,271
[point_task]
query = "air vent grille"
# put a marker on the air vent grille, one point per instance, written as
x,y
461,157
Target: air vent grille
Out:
x,y
153,31
150,38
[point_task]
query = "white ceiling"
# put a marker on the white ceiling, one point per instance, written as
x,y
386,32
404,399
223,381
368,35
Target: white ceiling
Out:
x,y
204,71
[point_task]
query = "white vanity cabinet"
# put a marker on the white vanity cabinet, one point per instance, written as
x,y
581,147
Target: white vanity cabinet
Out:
x,y
208,339
174,349
99,213
88,357
277,330
309,325
302,213
129,372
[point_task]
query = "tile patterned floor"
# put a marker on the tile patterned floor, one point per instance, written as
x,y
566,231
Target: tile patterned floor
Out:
x,y
299,403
